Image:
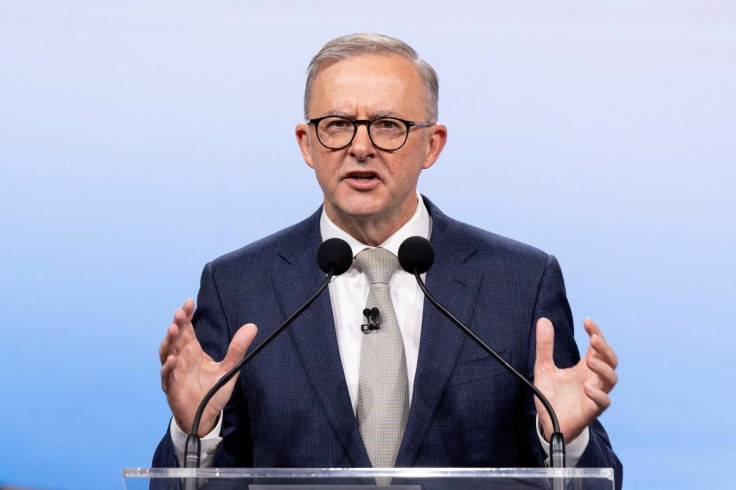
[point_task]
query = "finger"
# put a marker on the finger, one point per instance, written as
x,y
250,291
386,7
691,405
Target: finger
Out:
x,y
165,349
239,345
168,369
545,343
600,345
604,351
599,397
183,316
188,308
183,319
591,327
607,377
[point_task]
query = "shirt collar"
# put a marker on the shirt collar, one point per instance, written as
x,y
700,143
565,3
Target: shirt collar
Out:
x,y
418,225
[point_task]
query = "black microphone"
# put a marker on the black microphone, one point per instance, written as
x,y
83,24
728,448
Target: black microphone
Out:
x,y
416,256
334,257
372,316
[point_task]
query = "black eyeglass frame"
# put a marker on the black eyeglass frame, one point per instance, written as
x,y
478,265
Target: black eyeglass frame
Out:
x,y
367,122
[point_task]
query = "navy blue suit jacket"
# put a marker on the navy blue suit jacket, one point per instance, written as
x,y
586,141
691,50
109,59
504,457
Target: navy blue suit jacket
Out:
x,y
291,406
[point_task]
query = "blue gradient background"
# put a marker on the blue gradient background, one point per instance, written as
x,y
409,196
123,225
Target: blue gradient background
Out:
x,y
139,140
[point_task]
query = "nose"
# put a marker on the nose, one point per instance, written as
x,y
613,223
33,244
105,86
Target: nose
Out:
x,y
362,146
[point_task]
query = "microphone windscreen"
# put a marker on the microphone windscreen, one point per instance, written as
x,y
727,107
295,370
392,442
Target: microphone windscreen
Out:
x,y
416,255
336,255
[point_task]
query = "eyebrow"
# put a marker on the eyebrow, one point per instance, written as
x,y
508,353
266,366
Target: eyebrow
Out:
x,y
384,114
375,115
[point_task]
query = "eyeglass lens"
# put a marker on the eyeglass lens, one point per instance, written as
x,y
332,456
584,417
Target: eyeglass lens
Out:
x,y
386,133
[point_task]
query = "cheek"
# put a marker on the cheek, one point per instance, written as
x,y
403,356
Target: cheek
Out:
x,y
405,171
413,163
325,167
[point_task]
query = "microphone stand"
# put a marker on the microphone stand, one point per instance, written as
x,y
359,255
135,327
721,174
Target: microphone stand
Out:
x,y
192,453
334,257
557,441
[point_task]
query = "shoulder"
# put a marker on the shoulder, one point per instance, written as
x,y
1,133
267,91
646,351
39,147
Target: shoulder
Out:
x,y
281,247
483,247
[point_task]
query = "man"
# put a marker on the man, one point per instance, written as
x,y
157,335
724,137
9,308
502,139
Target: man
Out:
x,y
371,107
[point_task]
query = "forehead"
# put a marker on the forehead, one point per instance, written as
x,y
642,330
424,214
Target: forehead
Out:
x,y
367,86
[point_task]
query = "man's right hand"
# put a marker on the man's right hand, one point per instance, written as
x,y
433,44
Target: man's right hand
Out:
x,y
187,373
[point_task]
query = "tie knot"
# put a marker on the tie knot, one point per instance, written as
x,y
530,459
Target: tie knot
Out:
x,y
378,264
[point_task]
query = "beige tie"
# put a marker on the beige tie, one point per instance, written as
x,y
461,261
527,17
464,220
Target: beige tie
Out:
x,y
383,392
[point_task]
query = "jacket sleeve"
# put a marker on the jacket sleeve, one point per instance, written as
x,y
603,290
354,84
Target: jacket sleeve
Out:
x,y
552,304
214,334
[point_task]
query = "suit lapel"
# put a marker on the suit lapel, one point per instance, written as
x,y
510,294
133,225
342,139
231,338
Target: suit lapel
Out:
x,y
315,341
455,285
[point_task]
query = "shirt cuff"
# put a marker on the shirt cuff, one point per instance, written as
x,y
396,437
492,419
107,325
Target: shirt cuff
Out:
x,y
208,444
573,450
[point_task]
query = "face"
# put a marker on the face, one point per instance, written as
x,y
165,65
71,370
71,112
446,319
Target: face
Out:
x,y
370,192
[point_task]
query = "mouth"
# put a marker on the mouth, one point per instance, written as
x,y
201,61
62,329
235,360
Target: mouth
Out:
x,y
362,180
363,175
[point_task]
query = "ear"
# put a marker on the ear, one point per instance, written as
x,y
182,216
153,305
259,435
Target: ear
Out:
x,y
304,140
435,143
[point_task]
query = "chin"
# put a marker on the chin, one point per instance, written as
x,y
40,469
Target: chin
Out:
x,y
360,205
363,212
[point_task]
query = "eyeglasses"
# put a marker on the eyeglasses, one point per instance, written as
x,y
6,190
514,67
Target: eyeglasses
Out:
x,y
386,133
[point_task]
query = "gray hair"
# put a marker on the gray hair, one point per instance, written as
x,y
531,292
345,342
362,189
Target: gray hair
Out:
x,y
352,45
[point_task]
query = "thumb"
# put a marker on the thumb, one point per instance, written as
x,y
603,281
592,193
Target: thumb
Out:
x,y
545,343
239,345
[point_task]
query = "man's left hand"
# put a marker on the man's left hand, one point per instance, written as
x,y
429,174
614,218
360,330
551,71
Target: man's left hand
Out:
x,y
578,394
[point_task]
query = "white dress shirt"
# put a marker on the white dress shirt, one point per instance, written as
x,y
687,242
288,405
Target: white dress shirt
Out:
x,y
349,294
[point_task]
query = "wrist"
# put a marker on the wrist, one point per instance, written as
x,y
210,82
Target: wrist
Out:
x,y
209,426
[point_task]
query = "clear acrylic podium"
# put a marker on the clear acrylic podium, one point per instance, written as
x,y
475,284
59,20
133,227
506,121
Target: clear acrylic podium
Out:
x,y
359,478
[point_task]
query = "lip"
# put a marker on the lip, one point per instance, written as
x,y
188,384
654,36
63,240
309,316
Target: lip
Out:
x,y
362,179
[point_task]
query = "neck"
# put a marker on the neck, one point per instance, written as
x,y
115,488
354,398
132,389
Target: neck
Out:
x,y
371,230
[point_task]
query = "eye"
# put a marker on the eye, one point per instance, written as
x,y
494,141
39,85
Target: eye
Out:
x,y
336,124
387,124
